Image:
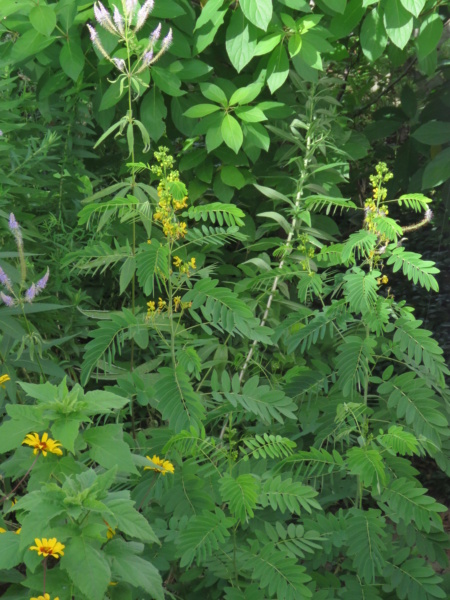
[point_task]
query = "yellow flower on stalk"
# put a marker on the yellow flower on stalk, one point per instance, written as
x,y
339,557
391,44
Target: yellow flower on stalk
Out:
x,y
165,465
48,547
176,303
181,229
177,261
43,445
151,306
44,597
192,264
110,533
161,304
4,379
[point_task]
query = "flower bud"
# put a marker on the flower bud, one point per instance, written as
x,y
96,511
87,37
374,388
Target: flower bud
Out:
x,y
120,64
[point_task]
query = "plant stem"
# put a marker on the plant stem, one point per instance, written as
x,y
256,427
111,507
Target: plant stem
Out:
x,y
20,482
289,240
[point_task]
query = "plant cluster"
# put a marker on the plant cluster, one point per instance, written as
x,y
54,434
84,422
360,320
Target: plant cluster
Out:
x,y
220,390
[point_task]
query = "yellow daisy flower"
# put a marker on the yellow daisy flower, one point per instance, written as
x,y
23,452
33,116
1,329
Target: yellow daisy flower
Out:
x,y
165,465
43,445
44,597
48,547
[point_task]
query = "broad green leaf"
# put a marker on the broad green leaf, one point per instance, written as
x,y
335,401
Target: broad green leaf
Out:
x,y
277,68
210,12
241,41
87,566
342,25
135,570
29,44
373,35
43,19
256,135
246,94
214,93
414,6
259,13
430,33
232,133
112,96
130,521
310,54
10,553
201,110
398,23
108,449
268,43
168,82
71,59
437,171
214,138
336,5
250,114
13,432
433,133
232,176
169,9
153,111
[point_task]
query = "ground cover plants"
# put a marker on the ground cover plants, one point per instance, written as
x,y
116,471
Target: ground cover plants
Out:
x,y
211,385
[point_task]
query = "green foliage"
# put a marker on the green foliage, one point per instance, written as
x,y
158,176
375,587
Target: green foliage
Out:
x,y
234,391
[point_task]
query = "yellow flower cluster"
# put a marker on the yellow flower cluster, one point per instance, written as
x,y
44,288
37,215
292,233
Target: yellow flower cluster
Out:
x,y
44,444
382,280
168,205
184,267
162,305
44,597
163,466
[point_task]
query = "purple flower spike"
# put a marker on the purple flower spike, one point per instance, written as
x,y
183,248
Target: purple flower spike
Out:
x,y
7,299
13,224
31,293
43,282
4,279
92,32
147,59
167,40
155,35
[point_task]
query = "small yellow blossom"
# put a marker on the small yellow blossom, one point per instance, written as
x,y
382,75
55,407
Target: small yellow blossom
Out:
x,y
44,597
43,445
185,305
151,306
192,264
149,241
48,547
176,303
177,261
161,304
110,533
4,379
158,216
384,279
165,465
17,531
2,530
181,229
